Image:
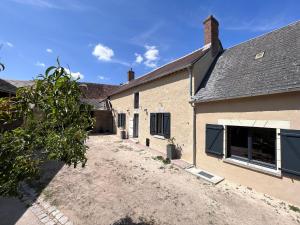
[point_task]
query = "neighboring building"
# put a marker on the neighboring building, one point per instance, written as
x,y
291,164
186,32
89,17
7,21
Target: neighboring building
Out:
x,y
155,107
96,96
93,94
7,89
248,114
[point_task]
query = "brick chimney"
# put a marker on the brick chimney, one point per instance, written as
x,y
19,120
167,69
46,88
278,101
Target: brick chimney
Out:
x,y
130,75
211,33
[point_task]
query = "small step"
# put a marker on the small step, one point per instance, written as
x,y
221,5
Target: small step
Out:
x,y
205,175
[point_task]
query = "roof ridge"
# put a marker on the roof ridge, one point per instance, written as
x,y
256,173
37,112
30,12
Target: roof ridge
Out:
x,y
113,85
264,34
186,55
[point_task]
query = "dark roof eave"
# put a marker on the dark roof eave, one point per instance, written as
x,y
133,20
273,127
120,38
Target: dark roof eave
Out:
x,y
7,91
283,91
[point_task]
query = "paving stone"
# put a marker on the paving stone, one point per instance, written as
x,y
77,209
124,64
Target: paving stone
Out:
x,y
50,223
54,213
41,216
45,219
36,210
69,223
46,205
51,209
63,219
59,215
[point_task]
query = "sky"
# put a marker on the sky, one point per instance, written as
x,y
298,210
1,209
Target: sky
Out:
x,y
100,40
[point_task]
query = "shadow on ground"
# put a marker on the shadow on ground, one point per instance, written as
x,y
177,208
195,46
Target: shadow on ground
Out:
x,y
12,209
128,221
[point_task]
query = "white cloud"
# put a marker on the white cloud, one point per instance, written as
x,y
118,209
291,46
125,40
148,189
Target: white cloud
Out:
x,y
38,3
151,53
151,56
75,75
76,5
49,50
103,53
102,78
138,58
9,44
40,64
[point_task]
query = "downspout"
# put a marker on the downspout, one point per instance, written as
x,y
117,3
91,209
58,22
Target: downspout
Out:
x,y
194,134
194,115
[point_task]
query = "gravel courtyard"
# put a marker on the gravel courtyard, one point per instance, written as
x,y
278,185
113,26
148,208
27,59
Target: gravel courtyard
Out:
x,y
124,182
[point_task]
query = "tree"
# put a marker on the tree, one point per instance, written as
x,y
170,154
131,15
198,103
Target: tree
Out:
x,y
55,127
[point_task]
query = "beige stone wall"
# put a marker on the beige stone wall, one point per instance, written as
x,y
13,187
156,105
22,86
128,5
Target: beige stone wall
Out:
x,y
167,94
281,110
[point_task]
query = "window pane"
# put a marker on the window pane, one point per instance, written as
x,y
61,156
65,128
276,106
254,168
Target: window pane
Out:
x,y
237,141
159,123
264,144
136,100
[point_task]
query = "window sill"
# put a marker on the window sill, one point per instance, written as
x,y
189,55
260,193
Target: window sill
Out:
x,y
159,137
254,167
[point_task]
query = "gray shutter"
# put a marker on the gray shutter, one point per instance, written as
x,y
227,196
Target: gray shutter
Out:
x,y
152,123
119,120
124,120
167,125
214,137
290,151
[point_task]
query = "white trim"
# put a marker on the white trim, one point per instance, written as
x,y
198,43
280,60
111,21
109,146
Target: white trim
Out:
x,y
276,124
159,137
263,169
281,124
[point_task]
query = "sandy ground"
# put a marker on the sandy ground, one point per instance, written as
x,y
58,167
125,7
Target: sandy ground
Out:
x,y
122,179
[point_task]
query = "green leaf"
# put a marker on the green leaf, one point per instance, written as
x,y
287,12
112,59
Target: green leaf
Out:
x,y
49,69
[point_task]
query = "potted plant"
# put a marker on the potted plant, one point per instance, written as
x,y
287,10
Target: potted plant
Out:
x,y
171,148
123,133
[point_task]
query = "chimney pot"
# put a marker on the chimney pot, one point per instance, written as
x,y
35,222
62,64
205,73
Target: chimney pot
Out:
x,y
211,33
130,75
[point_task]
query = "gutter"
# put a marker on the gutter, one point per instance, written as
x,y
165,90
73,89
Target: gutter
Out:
x,y
190,68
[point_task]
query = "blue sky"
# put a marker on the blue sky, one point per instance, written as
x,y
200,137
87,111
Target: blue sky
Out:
x,y
100,40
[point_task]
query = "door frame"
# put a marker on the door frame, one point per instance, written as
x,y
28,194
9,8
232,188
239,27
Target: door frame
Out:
x,y
135,125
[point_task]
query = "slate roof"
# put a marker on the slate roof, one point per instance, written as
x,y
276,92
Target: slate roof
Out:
x,y
96,91
238,74
21,83
165,70
7,87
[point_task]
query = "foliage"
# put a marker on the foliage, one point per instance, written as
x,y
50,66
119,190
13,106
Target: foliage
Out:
x,y
2,67
164,161
55,127
294,208
171,141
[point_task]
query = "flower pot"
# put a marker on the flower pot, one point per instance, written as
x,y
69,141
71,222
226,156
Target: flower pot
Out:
x,y
171,151
123,134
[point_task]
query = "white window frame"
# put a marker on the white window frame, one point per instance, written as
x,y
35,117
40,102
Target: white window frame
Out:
x,y
276,124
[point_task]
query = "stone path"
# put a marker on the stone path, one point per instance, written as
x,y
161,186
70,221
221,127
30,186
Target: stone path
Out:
x,y
46,214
